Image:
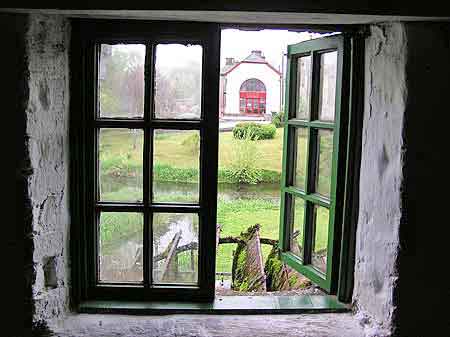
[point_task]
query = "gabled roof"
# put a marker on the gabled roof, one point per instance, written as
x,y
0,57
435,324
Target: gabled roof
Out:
x,y
255,57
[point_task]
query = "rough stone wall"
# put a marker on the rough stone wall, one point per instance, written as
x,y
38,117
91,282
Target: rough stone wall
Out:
x,y
47,112
381,175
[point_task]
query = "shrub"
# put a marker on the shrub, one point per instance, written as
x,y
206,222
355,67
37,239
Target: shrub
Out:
x,y
245,156
192,143
278,119
257,131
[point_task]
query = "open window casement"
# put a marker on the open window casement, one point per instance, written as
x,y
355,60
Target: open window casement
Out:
x,y
314,158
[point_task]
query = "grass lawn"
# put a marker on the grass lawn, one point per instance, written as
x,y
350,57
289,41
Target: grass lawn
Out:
x,y
171,148
121,149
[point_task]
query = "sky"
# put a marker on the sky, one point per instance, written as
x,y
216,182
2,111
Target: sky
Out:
x,y
234,43
273,43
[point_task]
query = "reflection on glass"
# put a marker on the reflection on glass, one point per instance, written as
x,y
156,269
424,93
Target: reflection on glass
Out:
x,y
120,247
320,244
327,98
303,87
121,81
176,163
296,235
175,248
300,166
178,81
120,164
324,163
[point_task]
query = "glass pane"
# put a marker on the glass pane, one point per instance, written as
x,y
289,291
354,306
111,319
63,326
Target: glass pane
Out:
x,y
176,166
121,80
300,165
327,98
320,244
303,87
120,164
175,248
120,247
324,163
296,235
178,81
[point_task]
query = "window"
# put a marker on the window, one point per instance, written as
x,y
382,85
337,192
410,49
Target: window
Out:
x,y
311,162
252,97
138,89
122,244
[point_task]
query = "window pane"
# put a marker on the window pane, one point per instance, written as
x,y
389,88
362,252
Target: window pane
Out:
x,y
301,150
296,234
121,81
120,164
324,163
175,248
303,87
320,244
178,81
327,98
120,247
176,166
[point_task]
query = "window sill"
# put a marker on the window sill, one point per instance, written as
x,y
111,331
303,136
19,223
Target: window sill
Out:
x,y
223,305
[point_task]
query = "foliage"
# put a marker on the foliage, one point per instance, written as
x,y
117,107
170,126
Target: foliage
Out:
x,y
192,143
119,165
164,172
278,119
245,156
255,130
117,227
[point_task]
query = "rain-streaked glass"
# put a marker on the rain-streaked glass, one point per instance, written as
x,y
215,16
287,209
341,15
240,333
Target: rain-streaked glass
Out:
x,y
175,248
324,162
327,93
120,247
120,164
297,219
320,243
301,155
176,156
303,87
178,81
121,81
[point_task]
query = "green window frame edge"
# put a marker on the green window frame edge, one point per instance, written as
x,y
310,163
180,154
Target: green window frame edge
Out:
x,y
86,33
340,281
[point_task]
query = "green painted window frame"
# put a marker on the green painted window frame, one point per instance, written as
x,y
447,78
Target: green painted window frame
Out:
x,y
335,203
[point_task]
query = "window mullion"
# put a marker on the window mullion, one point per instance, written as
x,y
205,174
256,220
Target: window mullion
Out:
x,y
147,164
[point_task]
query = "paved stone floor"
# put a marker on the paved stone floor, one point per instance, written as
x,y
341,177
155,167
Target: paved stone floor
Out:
x,y
307,325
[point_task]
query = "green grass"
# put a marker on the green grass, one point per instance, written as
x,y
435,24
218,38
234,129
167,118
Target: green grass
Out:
x,y
170,150
177,161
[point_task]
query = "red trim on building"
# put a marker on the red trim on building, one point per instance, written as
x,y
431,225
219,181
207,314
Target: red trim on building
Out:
x,y
237,64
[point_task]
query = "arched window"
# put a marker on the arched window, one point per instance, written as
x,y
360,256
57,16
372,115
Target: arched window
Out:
x,y
252,97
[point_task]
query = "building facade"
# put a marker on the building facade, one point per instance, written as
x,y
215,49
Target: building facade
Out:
x,y
251,87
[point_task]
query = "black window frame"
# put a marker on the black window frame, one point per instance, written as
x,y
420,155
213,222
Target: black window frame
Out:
x,y
87,36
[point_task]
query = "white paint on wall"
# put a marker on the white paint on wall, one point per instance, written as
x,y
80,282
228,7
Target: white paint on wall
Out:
x,y
245,71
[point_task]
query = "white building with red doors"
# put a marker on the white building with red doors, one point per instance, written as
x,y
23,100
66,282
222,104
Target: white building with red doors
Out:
x,y
250,87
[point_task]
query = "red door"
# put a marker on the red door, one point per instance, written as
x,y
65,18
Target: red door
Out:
x,y
252,97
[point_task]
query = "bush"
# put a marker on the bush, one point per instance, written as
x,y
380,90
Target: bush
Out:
x,y
245,156
192,143
257,131
278,119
